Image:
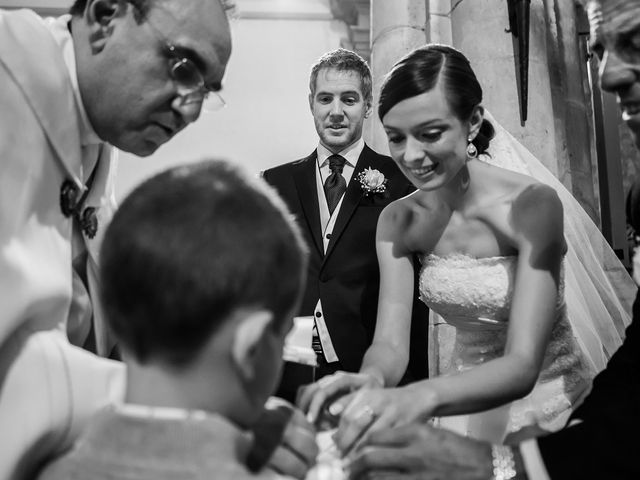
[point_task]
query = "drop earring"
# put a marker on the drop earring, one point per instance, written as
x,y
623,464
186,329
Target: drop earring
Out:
x,y
472,151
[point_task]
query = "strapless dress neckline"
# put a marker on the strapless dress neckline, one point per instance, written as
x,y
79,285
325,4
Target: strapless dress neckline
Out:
x,y
472,298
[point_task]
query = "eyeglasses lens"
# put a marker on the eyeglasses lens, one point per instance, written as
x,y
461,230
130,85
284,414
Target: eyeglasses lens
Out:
x,y
191,86
186,75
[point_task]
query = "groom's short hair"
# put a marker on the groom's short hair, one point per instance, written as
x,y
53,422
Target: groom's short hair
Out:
x,y
186,249
343,60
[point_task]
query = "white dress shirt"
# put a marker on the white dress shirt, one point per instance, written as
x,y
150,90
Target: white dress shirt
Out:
x,y
327,222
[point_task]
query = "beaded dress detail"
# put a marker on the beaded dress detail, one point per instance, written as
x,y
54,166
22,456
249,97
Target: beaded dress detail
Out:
x,y
472,299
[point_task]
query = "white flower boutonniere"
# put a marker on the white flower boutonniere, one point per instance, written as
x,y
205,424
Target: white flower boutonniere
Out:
x,y
372,181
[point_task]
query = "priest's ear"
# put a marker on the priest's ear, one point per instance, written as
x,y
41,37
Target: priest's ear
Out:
x,y
100,16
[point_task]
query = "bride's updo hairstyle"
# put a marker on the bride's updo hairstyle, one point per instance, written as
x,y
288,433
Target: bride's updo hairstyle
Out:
x,y
418,72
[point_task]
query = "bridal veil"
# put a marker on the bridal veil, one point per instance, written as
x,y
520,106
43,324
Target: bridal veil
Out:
x,y
598,290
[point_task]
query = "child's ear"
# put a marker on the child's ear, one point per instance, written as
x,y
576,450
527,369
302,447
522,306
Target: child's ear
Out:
x,y
248,339
100,16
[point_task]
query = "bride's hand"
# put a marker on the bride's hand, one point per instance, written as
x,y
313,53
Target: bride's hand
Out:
x,y
369,410
314,398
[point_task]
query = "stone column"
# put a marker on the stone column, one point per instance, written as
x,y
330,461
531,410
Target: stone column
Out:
x,y
557,130
479,31
440,21
397,27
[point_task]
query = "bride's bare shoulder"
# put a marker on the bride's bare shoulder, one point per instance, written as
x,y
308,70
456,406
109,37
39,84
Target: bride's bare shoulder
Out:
x,y
537,200
417,212
514,185
537,216
408,209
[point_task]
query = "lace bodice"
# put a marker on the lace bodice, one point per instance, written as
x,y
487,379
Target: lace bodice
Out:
x,y
468,291
474,295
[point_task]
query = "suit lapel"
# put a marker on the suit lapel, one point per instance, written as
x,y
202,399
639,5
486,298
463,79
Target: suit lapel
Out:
x,y
305,180
352,198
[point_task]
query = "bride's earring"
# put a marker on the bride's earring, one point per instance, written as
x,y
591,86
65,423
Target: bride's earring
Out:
x,y
472,151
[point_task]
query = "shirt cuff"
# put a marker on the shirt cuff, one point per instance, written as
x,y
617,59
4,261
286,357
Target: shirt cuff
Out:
x,y
532,459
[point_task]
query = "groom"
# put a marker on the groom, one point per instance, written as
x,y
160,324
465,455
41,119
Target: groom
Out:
x,y
338,210
601,440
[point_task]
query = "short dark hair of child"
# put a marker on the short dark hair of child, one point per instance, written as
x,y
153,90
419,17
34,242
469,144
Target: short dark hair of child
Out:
x,y
188,247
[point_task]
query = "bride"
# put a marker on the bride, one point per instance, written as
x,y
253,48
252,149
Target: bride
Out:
x,y
524,314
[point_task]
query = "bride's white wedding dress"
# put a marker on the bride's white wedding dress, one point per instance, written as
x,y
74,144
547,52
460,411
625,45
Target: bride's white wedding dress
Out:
x,y
473,296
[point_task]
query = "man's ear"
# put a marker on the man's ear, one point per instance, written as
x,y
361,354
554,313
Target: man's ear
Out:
x,y
369,109
311,103
248,339
100,16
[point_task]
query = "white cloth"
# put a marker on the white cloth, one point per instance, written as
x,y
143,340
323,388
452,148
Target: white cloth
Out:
x,y
329,464
327,222
48,388
533,464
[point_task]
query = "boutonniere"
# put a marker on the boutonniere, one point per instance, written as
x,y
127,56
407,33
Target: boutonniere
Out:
x,y
372,181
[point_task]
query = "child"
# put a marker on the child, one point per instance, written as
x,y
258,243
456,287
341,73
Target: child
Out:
x,y
202,270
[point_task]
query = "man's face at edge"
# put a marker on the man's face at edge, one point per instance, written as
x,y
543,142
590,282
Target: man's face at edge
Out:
x,y
615,39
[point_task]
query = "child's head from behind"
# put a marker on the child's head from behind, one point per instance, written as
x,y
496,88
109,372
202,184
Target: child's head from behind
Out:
x,y
201,272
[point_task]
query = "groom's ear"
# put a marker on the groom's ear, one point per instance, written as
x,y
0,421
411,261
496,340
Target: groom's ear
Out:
x,y
475,121
368,108
311,103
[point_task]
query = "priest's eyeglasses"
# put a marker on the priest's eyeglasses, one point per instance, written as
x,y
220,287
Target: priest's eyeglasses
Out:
x,y
187,76
190,82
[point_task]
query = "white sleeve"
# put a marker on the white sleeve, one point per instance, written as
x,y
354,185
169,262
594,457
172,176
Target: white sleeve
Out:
x,y
532,459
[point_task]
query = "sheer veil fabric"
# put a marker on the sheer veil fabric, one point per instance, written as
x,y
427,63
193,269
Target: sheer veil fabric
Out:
x,y
598,290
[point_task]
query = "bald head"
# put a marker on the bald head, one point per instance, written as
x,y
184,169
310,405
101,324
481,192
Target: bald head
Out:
x,y
169,53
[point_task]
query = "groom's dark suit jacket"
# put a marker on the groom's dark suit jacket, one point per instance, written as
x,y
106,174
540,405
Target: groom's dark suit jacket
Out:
x,y
347,278
606,444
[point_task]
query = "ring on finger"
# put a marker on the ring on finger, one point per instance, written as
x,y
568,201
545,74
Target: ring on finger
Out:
x,y
367,412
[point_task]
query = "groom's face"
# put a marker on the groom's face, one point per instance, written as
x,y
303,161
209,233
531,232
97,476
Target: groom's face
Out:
x,y
339,108
615,39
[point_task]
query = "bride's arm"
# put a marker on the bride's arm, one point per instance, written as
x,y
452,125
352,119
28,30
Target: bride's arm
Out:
x,y
537,222
388,355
